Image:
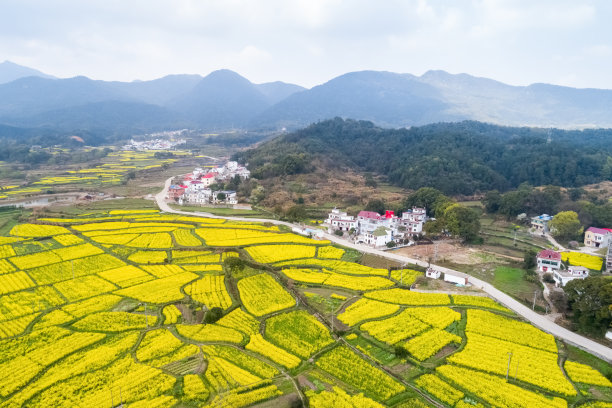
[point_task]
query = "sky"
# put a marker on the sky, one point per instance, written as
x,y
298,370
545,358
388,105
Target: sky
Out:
x,y
308,42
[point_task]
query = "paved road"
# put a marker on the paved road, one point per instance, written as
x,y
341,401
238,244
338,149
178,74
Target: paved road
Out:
x,y
536,319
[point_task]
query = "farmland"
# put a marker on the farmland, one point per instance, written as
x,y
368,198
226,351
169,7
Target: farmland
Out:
x,y
158,310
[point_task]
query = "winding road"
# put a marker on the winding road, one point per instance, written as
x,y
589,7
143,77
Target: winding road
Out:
x,y
536,319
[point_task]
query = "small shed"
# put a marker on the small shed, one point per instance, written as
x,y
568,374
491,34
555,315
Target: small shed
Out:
x,y
432,273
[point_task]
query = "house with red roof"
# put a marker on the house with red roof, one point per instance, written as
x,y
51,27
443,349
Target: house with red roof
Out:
x,y
598,237
208,179
548,261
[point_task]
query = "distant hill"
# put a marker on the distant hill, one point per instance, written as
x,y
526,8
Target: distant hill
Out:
x,y
223,100
10,71
456,158
401,100
277,91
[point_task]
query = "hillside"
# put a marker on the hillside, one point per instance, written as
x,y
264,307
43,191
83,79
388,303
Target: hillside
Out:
x,y
456,158
397,100
225,100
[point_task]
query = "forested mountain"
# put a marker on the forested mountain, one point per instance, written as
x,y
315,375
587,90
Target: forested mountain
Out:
x,y
396,100
225,100
456,158
221,100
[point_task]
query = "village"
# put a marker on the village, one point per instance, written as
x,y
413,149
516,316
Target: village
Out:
x,y
195,188
377,230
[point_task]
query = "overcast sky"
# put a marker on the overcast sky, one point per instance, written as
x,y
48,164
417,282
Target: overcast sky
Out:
x,y
308,42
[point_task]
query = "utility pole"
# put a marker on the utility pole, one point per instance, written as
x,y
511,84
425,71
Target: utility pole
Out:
x,y
508,369
535,294
112,401
146,317
72,263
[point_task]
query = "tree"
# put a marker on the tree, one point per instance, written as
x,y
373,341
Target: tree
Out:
x,y
462,221
213,315
566,225
376,205
296,213
221,196
589,301
391,244
492,201
424,197
370,182
529,259
258,194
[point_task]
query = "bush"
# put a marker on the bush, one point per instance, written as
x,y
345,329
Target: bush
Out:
x,y
548,278
213,315
338,233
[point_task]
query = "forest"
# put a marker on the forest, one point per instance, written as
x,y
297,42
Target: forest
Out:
x,y
456,158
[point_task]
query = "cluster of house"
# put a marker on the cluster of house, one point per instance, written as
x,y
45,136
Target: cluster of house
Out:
x,y
378,230
195,186
155,144
549,261
593,237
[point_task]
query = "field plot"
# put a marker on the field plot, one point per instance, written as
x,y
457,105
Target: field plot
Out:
x,y
141,303
210,290
262,294
277,253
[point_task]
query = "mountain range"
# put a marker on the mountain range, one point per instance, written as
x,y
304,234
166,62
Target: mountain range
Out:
x,y
224,99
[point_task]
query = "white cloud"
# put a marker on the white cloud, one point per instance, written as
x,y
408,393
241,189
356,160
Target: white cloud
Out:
x,y
310,41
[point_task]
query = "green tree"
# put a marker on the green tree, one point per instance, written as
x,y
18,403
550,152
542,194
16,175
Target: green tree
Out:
x,y
424,197
296,213
213,315
492,201
462,222
529,259
589,301
566,225
376,205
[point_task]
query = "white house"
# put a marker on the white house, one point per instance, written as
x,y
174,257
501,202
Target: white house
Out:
x,y
540,223
208,179
196,185
432,273
573,272
598,237
548,261
377,238
340,220
230,197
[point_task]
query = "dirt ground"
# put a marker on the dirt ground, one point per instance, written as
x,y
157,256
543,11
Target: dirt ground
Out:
x,y
449,250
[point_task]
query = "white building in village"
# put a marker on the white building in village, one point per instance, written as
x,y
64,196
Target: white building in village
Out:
x,y
561,277
375,229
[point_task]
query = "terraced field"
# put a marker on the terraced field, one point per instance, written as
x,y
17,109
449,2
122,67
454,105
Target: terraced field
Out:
x,y
156,310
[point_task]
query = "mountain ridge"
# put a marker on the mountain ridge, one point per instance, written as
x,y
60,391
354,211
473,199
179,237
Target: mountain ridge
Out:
x,y
224,99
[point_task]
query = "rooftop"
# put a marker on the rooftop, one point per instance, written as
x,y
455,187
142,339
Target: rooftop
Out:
x,y
602,231
369,214
549,254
